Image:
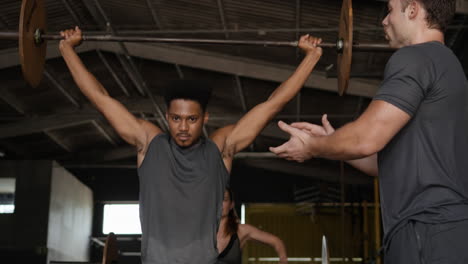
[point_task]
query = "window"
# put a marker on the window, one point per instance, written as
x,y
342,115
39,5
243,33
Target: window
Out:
x,y
7,195
242,214
123,219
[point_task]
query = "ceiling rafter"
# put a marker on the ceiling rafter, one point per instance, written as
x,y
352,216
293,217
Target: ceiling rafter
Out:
x,y
211,61
240,66
56,83
12,101
113,73
72,12
104,133
222,18
154,14
48,132
57,140
314,170
36,125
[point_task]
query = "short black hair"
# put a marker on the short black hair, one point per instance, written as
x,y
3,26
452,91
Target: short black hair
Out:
x,y
194,90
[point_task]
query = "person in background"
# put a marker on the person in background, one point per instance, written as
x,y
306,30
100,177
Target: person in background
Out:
x,y
233,236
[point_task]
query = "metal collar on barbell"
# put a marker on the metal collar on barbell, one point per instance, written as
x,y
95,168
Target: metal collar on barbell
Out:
x,y
339,45
38,40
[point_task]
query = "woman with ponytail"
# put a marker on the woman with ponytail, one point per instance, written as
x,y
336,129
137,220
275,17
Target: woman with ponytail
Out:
x,y
232,235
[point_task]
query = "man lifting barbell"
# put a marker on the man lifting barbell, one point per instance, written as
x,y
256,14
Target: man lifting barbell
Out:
x,y
182,174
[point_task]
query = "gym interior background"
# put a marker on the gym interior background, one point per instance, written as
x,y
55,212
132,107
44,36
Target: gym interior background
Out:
x,y
61,163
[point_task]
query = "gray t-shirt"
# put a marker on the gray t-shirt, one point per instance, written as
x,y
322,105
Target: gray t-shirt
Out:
x,y
423,170
181,195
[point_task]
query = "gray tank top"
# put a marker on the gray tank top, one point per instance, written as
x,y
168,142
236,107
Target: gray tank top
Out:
x,y
232,254
181,195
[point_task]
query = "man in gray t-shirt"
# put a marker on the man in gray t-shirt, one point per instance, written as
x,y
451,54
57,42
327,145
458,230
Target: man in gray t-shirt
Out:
x,y
413,136
183,174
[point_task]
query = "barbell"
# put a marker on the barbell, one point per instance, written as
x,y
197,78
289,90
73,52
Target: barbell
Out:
x,y
32,38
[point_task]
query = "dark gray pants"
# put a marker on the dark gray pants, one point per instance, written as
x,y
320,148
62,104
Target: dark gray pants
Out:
x,y
420,243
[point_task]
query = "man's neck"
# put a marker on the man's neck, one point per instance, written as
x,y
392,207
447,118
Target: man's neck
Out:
x,y
428,35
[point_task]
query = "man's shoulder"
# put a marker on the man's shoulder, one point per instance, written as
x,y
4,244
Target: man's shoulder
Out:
x,y
422,52
413,53
159,140
410,59
161,137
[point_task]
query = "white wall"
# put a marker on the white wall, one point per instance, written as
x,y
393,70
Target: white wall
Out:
x,y
70,217
7,185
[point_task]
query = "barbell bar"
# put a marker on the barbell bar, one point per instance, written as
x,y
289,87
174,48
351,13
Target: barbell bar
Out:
x,y
33,41
40,37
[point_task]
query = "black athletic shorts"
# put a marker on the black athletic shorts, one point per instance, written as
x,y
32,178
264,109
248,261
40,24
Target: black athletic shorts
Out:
x,y
421,243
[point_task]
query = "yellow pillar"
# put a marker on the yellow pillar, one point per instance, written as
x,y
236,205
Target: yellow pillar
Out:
x,y
365,228
377,219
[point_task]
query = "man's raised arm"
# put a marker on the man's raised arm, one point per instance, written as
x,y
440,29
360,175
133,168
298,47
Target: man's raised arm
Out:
x,y
135,131
240,135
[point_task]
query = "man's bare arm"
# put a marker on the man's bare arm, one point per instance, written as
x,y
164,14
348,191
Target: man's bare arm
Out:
x,y
135,131
361,138
367,135
243,133
368,165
